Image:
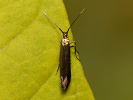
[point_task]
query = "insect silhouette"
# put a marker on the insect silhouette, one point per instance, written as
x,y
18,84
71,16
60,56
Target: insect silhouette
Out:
x,y
65,61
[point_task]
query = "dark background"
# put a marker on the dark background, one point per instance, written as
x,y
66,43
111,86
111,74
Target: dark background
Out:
x,y
104,37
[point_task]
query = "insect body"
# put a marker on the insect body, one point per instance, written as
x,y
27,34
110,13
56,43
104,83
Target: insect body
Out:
x,y
65,70
65,62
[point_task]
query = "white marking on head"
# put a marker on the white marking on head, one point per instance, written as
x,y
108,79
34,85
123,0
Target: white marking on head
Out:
x,y
65,42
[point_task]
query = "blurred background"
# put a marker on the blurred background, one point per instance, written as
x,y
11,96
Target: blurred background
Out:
x,y
104,37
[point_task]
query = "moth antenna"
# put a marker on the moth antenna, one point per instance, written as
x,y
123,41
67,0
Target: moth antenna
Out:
x,y
52,21
75,20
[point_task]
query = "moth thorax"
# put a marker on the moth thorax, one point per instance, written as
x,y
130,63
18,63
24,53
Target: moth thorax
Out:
x,y
65,42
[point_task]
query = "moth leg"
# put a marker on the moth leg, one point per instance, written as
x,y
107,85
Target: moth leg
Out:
x,y
58,68
75,49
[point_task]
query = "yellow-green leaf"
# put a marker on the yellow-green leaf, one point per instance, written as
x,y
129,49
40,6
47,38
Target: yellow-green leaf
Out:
x,y
29,53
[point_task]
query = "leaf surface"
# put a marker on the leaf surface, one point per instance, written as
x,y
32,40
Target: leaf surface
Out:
x,y
29,53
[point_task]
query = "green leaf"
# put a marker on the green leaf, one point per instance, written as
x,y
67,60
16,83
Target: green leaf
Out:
x,y
29,53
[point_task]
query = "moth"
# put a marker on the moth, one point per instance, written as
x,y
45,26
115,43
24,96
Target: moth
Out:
x,y
65,61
